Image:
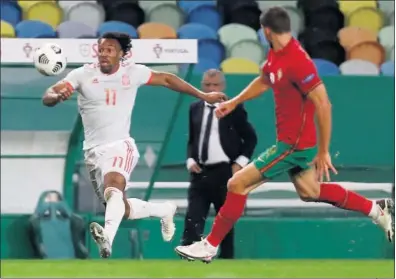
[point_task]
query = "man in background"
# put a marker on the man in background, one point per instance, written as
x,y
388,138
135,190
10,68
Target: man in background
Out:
x,y
216,150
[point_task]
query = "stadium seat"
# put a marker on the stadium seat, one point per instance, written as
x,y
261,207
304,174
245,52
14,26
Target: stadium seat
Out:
x,y
66,5
72,29
167,13
239,66
391,19
248,49
152,30
10,12
328,50
359,67
211,49
326,68
262,39
89,13
47,12
388,68
205,64
327,17
243,12
117,26
386,6
147,5
202,66
311,36
187,6
26,4
296,19
323,44
34,29
196,31
308,6
263,5
55,231
207,15
232,33
368,51
369,18
7,30
351,35
125,11
386,36
348,6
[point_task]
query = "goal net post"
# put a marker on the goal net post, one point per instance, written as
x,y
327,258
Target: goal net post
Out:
x,y
173,55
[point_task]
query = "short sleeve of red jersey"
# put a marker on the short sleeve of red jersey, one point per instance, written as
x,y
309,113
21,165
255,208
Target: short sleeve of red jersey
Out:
x,y
304,74
264,72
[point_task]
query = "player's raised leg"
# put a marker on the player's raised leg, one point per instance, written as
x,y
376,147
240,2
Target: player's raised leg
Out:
x,y
239,186
117,161
139,209
309,189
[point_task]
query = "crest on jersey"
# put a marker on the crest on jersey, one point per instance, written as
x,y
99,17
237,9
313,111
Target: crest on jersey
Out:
x,y
279,74
272,78
125,80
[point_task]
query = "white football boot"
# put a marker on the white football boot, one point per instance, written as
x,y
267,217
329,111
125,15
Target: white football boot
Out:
x,y
386,218
200,250
168,227
101,239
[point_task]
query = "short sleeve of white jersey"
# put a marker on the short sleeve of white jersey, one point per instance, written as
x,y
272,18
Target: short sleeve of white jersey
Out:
x,y
75,77
142,74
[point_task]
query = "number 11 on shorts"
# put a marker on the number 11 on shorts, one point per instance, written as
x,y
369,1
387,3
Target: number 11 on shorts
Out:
x,y
111,97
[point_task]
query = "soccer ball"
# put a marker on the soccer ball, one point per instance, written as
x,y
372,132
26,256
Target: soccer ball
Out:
x,y
49,59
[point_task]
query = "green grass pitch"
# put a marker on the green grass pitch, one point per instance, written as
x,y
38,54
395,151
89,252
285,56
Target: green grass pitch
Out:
x,y
184,269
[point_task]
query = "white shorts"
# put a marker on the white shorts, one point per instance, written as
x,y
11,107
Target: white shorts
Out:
x,y
119,156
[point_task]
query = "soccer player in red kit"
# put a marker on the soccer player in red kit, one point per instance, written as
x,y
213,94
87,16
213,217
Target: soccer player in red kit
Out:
x,y
299,96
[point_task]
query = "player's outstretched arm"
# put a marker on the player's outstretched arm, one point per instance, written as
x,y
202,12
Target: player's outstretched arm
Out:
x,y
175,83
57,93
257,87
323,114
63,90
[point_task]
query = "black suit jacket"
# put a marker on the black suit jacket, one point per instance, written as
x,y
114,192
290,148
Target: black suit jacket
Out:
x,y
237,135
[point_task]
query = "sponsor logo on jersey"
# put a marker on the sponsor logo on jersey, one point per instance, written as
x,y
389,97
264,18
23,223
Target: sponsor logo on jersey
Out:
x,y
308,78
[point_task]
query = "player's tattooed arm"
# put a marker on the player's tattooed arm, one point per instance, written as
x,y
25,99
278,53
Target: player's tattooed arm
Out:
x,y
323,114
175,83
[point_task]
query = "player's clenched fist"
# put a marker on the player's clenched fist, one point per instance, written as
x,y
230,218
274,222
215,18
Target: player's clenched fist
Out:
x,y
215,97
63,90
225,108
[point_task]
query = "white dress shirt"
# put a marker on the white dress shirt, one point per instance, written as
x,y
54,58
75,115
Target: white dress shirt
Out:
x,y
216,153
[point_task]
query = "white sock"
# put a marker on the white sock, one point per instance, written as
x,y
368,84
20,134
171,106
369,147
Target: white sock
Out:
x,y
115,210
141,209
374,212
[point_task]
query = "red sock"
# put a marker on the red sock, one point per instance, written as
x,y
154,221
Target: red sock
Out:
x,y
229,213
343,198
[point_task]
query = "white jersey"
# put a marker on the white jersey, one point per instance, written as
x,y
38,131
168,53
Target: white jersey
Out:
x,y
105,102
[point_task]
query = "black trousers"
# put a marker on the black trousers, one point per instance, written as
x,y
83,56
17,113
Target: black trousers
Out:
x,y
207,187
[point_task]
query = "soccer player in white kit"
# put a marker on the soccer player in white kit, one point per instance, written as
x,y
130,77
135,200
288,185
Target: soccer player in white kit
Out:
x,y
106,98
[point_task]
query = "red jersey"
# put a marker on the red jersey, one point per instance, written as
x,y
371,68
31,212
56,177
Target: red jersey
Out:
x,y
292,75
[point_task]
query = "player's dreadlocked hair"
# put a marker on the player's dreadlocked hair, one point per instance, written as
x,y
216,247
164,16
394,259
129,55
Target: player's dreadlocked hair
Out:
x,y
122,38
